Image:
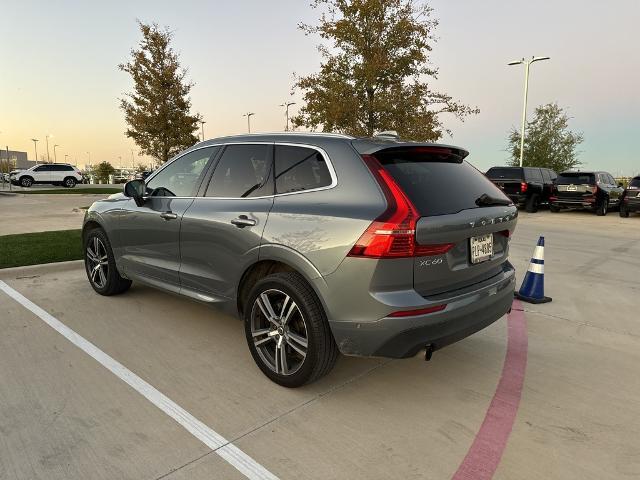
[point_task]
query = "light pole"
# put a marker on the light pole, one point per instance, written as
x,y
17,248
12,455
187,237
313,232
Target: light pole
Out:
x,y
65,157
249,115
527,64
286,105
202,122
89,154
133,165
55,157
47,139
35,147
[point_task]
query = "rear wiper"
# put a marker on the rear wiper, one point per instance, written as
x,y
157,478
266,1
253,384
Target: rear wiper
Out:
x,y
485,200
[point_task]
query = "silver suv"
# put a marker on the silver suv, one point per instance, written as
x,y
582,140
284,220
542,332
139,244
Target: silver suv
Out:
x,y
63,174
321,243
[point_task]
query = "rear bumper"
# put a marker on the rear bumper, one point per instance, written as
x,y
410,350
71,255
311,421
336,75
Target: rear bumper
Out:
x,y
566,203
467,312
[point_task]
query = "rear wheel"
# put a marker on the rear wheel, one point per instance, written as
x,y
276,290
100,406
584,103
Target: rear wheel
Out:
x,y
69,182
624,211
532,203
603,207
287,330
100,265
554,208
26,181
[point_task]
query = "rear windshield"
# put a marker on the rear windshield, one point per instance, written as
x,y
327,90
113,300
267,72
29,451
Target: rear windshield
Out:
x,y
434,186
576,179
499,173
635,182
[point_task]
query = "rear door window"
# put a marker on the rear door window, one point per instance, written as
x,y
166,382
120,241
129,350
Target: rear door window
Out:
x,y
576,179
533,175
242,172
436,184
299,169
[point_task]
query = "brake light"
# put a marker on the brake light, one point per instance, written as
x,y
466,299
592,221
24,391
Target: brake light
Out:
x,y
419,311
523,187
392,234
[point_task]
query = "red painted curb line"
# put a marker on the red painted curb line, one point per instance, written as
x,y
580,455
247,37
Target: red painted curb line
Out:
x,y
485,453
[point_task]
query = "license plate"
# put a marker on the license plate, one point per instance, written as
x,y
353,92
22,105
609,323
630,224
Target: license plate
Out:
x,y
481,248
572,188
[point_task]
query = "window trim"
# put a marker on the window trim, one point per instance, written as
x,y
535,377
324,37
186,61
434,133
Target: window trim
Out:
x,y
215,160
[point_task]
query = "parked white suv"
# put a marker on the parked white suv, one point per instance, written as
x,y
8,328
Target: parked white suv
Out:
x,y
52,173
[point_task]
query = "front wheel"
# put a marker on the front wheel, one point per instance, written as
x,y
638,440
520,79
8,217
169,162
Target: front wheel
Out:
x,y
603,208
100,265
26,182
69,182
287,330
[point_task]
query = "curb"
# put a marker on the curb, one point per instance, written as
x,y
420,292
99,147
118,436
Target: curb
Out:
x,y
40,269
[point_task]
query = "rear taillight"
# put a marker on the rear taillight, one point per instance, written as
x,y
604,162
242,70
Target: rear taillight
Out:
x,y
594,189
523,187
419,311
392,234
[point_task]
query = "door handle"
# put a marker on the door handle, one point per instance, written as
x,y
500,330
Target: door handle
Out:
x,y
168,215
242,221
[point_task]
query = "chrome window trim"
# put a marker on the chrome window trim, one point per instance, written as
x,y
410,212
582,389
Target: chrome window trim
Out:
x,y
332,172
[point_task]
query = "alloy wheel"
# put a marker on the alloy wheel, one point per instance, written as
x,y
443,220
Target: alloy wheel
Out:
x,y
98,262
279,332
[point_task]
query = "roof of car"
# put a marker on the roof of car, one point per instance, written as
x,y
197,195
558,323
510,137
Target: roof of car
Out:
x,y
363,145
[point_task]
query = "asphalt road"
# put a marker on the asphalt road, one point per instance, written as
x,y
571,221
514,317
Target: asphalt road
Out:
x,y
63,415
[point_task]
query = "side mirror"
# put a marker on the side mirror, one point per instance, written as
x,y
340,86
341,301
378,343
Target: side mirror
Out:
x,y
135,189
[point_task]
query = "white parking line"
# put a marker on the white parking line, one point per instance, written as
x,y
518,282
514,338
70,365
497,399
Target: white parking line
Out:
x,y
225,449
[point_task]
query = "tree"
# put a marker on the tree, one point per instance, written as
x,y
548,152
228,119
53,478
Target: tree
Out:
x,y
548,142
103,170
373,73
157,112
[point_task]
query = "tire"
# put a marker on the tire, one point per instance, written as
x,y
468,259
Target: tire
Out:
x,y
603,207
532,203
554,208
303,317
26,182
69,182
624,212
98,253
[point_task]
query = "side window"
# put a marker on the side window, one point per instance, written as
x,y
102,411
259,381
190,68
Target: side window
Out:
x,y
299,169
546,175
42,168
612,180
180,178
534,175
554,175
242,172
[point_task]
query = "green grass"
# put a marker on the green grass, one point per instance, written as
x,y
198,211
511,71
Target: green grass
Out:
x,y
73,191
42,247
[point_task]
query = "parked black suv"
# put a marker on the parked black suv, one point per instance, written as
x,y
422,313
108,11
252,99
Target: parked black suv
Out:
x,y
525,186
630,201
595,191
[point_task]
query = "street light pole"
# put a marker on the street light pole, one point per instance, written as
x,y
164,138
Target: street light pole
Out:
x,y
90,165
202,122
527,64
65,157
55,157
35,147
47,140
286,105
249,115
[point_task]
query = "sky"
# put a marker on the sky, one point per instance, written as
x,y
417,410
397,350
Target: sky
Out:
x,y
59,72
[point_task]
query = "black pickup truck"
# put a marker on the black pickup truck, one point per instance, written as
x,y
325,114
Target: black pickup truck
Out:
x,y
595,191
526,186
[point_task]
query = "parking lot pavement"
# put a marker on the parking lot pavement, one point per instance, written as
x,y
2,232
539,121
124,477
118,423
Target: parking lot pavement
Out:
x,y
40,213
62,415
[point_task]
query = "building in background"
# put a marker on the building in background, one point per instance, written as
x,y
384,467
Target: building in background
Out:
x,y
14,160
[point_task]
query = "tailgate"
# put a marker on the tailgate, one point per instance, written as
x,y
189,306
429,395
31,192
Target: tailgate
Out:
x,y
455,269
574,192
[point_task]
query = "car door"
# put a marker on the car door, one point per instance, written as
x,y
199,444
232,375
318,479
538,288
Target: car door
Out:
x,y
222,229
548,184
616,190
41,174
149,235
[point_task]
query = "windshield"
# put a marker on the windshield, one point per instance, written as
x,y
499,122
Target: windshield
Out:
x,y
635,183
435,184
576,179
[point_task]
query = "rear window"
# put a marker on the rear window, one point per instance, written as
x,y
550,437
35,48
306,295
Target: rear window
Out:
x,y
576,179
534,175
497,173
434,185
635,182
